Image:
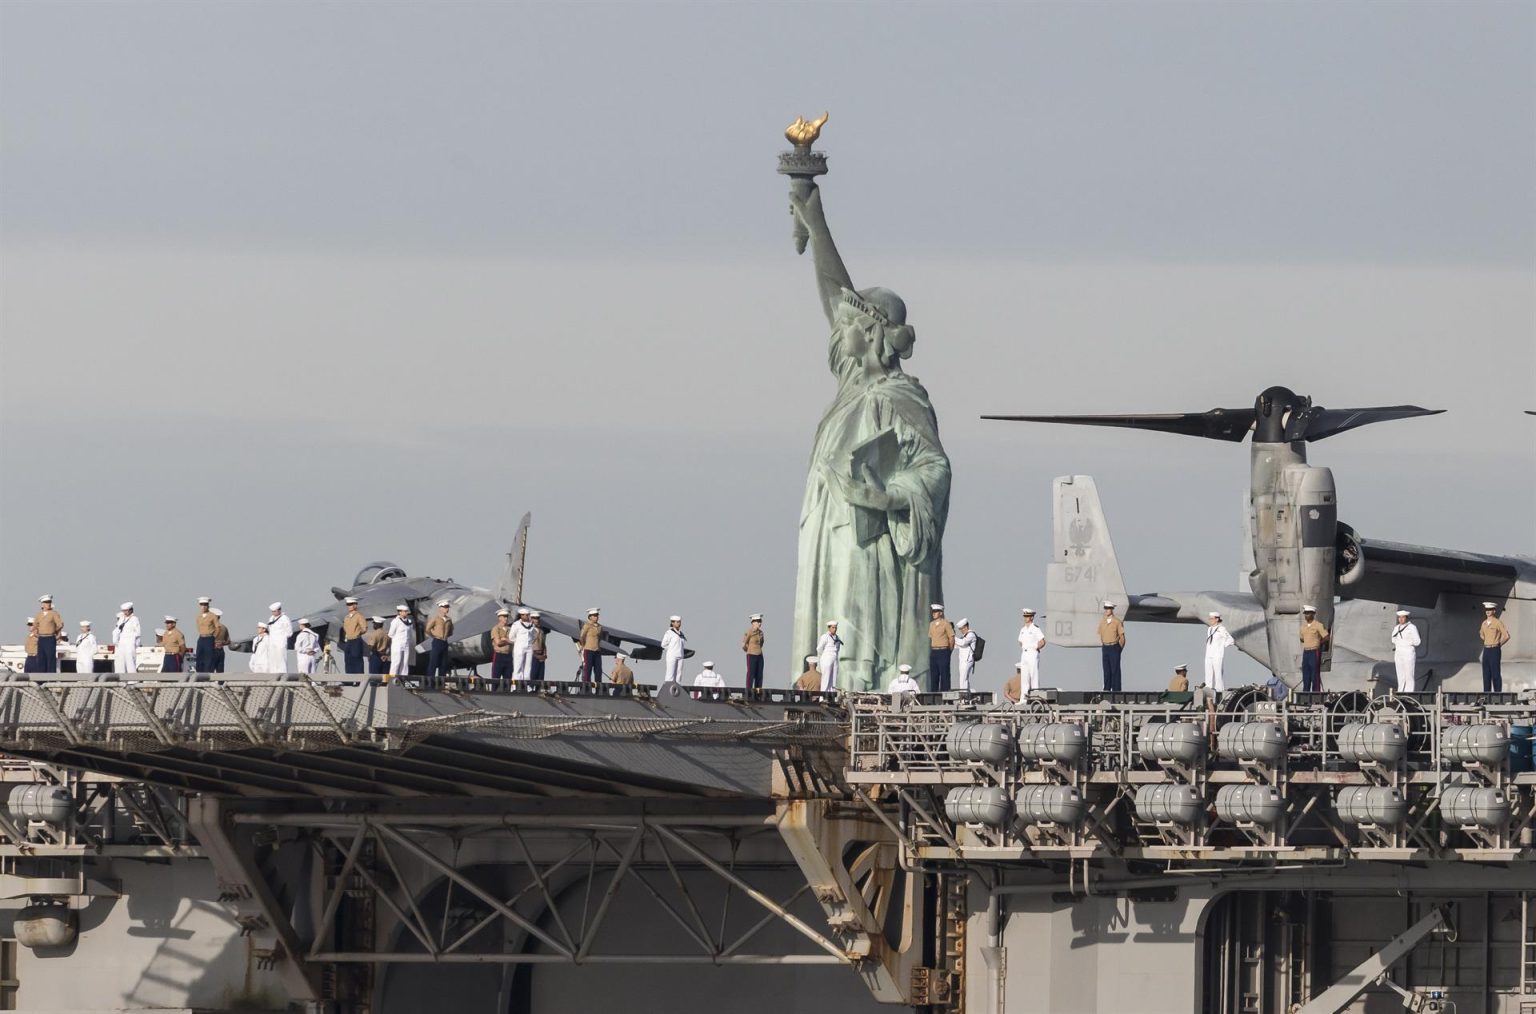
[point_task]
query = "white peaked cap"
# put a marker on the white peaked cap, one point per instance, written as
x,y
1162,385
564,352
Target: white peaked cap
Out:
x,y
537,613
1214,615
903,668
31,620
1309,609
275,606
159,631
505,612
350,600
709,665
810,660
1109,605
755,616
85,623
593,611
620,655
1018,665
1490,605
444,602
303,621
402,608
1027,612
963,622
204,600
1181,668
45,598
936,605
217,612
377,619
126,606
170,619
1403,612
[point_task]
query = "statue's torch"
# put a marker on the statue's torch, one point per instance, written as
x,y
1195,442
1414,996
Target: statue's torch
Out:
x,y
802,166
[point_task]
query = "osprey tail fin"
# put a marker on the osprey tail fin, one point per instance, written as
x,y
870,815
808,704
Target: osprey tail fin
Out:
x,y
1083,573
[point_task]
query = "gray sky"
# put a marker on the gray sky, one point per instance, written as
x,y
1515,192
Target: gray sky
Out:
x,y
287,288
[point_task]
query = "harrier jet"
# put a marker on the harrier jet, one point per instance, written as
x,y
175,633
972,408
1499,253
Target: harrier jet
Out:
x,y
381,586
1298,553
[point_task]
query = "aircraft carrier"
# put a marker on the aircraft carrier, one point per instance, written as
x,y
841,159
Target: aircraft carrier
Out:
x,y
339,844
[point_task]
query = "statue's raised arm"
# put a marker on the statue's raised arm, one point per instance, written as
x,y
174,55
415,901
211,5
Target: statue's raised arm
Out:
x,y
811,224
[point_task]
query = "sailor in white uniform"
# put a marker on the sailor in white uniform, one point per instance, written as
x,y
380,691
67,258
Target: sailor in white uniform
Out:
x,y
1031,643
709,678
673,643
307,647
279,633
965,645
1405,651
827,650
259,657
402,638
1217,640
126,636
905,684
85,648
523,633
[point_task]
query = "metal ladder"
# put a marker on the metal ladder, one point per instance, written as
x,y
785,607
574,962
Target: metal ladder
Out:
x,y
1527,942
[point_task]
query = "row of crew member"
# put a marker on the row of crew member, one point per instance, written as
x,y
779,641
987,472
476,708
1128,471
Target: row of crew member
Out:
x,y
46,628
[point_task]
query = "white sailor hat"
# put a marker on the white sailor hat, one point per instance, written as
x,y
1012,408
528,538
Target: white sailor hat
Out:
x,y
377,619
402,608
963,622
275,606
1403,612
904,669
936,606
1309,609
1490,605
1214,616
170,619
810,660
709,665
523,611
217,612
85,623
831,623
1027,612
262,624
45,598
755,617
504,611
674,619
1109,605
1181,668
537,613
350,600
126,607
443,604
593,611
204,600
303,621
159,631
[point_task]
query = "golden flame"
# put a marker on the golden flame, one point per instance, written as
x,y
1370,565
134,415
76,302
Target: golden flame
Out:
x,y
802,132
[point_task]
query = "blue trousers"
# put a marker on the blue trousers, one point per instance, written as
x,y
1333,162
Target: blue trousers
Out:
x,y
203,658
591,666
31,664
437,659
172,663
1312,671
352,655
218,660
536,670
1110,659
378,665
1493,678
47,653
501,668
938,669
754,672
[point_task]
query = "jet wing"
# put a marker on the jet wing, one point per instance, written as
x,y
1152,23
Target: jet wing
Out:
x,y
1417,575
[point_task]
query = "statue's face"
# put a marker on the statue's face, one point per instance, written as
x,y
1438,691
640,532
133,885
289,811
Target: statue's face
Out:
x,y
857,333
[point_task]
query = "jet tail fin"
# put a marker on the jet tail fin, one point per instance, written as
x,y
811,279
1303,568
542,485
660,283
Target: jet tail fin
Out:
x,y
509,589
1083,573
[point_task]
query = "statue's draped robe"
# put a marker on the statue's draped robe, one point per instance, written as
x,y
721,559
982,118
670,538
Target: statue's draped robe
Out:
x,y
879,593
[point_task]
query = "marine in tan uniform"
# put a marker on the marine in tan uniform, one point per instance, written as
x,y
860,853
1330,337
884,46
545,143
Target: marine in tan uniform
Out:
x,y
49,626
220,639
540,648
501,650
1014,688
1111,647
353,626
439,631
1314,636
622,673
941,648
1180,682
811,678
377,641
590,639
752,644
31,663
175,644
207,629
1494,636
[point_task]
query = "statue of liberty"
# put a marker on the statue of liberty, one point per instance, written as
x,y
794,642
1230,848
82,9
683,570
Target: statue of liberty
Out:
x,y
877,489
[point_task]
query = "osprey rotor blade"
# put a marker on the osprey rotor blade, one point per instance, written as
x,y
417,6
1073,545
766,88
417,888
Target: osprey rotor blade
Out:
x,y
1218,424
1320,423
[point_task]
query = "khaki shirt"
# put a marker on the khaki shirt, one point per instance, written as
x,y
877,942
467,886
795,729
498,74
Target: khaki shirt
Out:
x,y
1493,632
1179,684
1313,635
752,642
591,633
31,644
174,642
501,638
377,641
353,626
1013,688
539,651
49,623
207,624
1111,631
220,634
440,627
809,680
941,634
622,673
